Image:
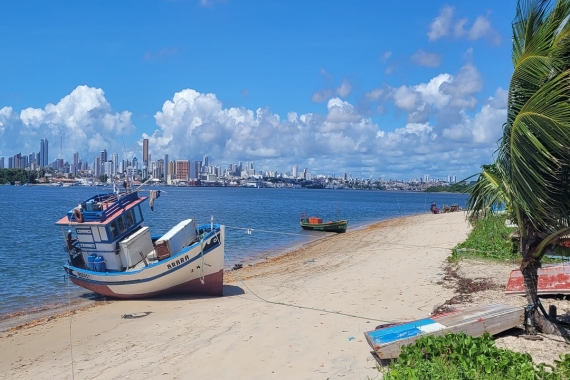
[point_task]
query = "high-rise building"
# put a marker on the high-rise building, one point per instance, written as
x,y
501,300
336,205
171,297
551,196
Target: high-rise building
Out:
x,y
44,153
182,169
166,172
1,162
145,152
97,167
295,171
205,161
103,156
115,167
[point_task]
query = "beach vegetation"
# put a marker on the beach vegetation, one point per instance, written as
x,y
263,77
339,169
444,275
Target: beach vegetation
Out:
x,y
490,238
461,356
531,171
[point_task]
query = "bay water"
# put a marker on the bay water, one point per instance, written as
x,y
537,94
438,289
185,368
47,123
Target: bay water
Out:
x,y
260,222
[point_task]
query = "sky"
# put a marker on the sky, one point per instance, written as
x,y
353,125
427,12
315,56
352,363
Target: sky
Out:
x,y
390,89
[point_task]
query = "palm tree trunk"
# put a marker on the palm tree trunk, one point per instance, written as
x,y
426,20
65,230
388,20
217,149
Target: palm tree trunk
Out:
x,y
535,320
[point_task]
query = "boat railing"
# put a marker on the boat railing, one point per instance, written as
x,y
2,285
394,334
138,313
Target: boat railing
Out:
x,y
114,204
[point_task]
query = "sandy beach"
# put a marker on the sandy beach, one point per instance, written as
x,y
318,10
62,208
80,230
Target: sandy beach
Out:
x,y
297,316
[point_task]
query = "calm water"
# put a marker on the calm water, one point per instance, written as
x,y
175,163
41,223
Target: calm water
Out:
x,y
31,245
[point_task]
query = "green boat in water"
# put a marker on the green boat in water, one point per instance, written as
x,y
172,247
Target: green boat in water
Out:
x,y
317,224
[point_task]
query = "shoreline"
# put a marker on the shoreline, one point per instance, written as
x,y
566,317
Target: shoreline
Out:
x,y
300,315
24,317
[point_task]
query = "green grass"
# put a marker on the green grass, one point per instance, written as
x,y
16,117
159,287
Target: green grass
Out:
x,y
489,239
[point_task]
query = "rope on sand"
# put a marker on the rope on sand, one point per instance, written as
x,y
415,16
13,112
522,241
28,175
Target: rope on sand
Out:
x,y
304,307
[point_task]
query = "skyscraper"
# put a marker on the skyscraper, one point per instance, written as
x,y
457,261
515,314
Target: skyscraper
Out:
x,y
295,171
103,155
166,172
44,153
145,152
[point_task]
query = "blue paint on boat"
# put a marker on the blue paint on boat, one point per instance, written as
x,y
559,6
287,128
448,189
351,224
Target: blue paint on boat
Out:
x,y
399,332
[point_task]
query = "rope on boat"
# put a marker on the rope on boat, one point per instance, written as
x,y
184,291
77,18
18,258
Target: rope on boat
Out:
x,y
304,307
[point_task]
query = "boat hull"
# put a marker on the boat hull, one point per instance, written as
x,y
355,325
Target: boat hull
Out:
x,y
552,279
337,226
188,272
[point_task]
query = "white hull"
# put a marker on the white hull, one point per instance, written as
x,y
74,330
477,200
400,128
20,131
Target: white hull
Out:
x,y
189,271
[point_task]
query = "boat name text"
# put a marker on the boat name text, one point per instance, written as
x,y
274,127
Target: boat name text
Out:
x,y
177,262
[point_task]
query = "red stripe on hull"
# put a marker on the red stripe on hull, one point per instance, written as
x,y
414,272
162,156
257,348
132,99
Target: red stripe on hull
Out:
x,y
213,286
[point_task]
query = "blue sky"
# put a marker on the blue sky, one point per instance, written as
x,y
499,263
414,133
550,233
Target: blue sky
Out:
x,y
386,88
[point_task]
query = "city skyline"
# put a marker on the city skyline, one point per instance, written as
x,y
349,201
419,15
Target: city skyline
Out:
x,y
180,169
418,92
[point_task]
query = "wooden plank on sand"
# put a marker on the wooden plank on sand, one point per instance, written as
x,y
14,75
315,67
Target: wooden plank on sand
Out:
x,y
388,341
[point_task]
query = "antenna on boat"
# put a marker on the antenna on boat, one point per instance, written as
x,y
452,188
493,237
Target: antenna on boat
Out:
x,y
211,222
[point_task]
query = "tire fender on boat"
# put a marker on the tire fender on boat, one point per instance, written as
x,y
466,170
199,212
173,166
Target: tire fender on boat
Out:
x,y
78,215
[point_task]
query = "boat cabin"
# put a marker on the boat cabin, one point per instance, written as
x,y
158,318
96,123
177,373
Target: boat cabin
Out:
x,y
111,227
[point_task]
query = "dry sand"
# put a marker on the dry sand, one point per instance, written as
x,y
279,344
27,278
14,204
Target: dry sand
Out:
x,y
298,316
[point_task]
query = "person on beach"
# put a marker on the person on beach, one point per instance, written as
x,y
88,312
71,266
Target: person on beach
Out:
x,y
433,208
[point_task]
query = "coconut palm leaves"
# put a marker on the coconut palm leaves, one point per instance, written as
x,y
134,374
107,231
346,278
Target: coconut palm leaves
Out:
x,y
532,167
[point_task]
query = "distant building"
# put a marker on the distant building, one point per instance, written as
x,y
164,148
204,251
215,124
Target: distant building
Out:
x,y
44,153
182,169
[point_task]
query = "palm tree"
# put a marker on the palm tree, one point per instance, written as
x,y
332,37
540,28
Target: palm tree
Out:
x,y
531,172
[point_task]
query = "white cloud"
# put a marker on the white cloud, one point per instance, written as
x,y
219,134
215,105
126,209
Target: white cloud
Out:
x,y
83,120
385,56
440,25
486,126
445,24
192,124
443,95
423,58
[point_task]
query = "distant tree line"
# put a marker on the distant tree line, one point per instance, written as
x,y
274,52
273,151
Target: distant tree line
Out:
x,y
13,175
459,187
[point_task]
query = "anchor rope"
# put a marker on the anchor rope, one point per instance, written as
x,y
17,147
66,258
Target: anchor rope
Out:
x,y
303,307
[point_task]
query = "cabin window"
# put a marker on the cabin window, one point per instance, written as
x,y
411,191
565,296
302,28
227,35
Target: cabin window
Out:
x,y
122,225
114,230
103,233
130,219
138,215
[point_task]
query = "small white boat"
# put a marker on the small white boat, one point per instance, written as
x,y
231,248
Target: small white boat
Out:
x,y
111,251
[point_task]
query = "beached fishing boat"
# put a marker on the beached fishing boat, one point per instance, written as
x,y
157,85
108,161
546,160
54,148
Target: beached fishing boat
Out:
x,y
111,251
317,224
552,279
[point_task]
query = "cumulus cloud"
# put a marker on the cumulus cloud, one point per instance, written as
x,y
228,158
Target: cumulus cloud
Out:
x,y
83,120
446,24
192,124
485,127
423,58
442,95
